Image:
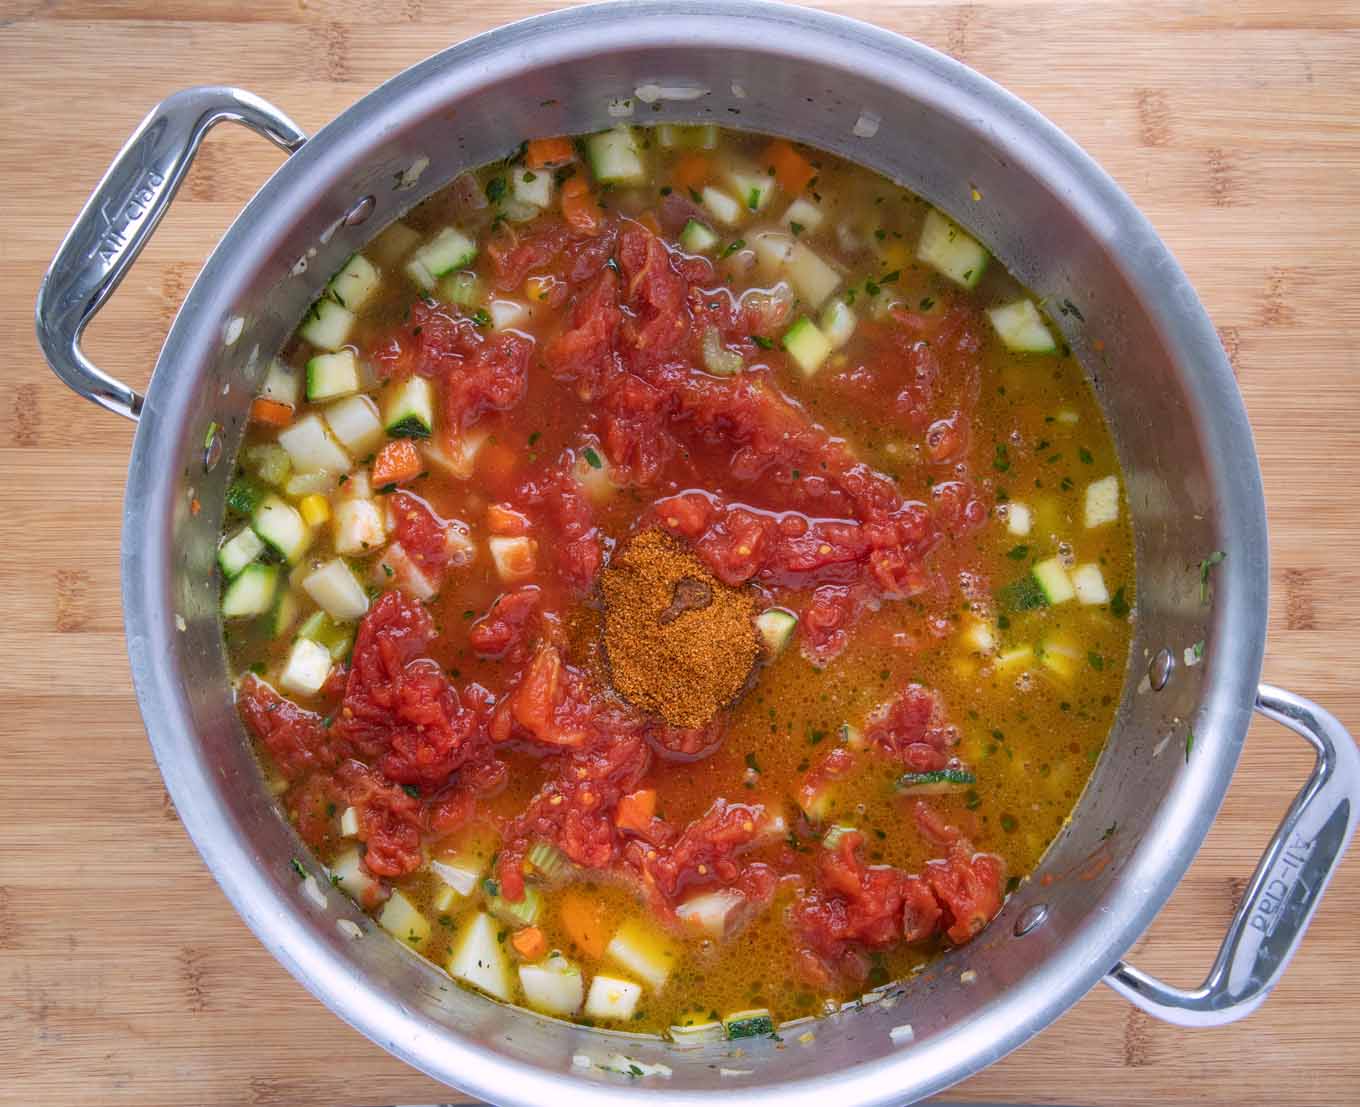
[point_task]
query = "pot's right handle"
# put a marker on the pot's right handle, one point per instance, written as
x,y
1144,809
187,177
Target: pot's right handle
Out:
x,y
1287,885
119,218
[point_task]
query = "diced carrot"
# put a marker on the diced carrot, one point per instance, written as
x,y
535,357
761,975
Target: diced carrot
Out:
x,y
396,463
583,920
502,520
791,170
691,171
549,153
579,208
636,809
270,412
529,943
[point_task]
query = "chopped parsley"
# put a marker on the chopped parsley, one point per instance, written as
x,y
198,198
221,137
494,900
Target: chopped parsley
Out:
x,y
796,227
482,317
1018,553
297,868
592,458
495,189
1085,455
1119,604
1205,569
1189,743
761,341
732,247
1001,462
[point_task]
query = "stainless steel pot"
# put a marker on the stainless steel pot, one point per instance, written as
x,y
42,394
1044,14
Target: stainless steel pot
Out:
x,y
1046,210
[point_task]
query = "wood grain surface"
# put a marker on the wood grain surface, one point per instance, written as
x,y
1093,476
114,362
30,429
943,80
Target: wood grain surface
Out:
x,y
125,977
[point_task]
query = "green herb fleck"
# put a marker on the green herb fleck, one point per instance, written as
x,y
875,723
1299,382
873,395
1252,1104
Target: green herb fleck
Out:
x,y
297,868
1205,568
1119,604
495,189
1001,462
411,790
761,341
733,246
1189,743
1018,553
482,317
1085,455
592,458
796,227
1097,662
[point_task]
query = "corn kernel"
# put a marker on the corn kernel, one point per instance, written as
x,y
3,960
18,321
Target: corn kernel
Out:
x,y
316,509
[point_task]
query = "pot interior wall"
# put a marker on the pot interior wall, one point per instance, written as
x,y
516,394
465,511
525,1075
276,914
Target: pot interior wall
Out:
x,y
1053,228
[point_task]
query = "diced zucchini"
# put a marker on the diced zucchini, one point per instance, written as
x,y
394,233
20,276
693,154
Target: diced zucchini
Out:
x,y
612,998
507,315
696,238
327,324
700,136
307,667
348,873
831,840
285,613
479,959
355,424
280,525
812,278
337,592
710,912
1053,580
1102,501
251,593
755,1023
1021,328
321,628
269,461
282,384
838,323
359,527
550,861
693,1035
554,986
776,626
450,249
408,408
945,245
806,215
615,157
1089,584
238,551
311,447
352,286
517,912
462,288
398,568
244,496
721,206
349,822
753,189
515,557
400,918
937,783
534,188
807,345
1019,520
644,951
332,375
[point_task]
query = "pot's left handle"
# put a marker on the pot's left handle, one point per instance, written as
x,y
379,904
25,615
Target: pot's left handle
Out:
x,y
119,218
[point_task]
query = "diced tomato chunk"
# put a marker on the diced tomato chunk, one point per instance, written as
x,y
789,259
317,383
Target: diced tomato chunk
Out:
x,y
294,737
503,632
970,886
389,821
910,729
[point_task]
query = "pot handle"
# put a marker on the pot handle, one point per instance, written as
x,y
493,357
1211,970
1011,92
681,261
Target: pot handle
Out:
x,y
1285,889
119,218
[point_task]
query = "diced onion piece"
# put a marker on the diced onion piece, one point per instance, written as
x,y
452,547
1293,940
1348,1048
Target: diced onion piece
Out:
x,y
508,314
401,919
773,250
1102,501
348,873
554,986
838,323
349,822
308,666
710,912
1022,328
776,626
1018,519
721,206
458,458
1089,584
479,959
354,422
515,557
612,998
643,950
359,527
311,447
532,187
460,873
336,591
398,568
443,899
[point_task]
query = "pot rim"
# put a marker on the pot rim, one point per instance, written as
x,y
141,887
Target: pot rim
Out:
x,y
1214,406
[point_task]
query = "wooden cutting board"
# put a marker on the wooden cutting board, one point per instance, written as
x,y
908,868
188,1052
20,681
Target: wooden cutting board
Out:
x,y
124,975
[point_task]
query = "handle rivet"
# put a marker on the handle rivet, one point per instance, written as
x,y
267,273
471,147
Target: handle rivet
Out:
x,y
360,211
1031,918
1161,668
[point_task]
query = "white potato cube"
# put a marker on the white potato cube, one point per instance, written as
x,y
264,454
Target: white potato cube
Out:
x,y
1102,501
401,919
612,998
337,592
358,526
308,666
1089,584
1018,519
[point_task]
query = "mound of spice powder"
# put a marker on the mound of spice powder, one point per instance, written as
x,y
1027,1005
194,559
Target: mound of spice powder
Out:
x,y
679,642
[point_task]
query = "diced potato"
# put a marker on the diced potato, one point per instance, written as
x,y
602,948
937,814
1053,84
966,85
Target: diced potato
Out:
x,y
1089,584
1102,501
643,950
359,527
307,667
479,959
1018,519
337,592
612,998
401,919
554,986
515,558
349,822
348,873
